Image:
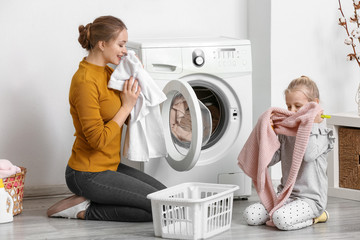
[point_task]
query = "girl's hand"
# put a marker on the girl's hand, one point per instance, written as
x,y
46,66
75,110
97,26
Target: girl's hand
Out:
x,y
130,94
272,122
318,118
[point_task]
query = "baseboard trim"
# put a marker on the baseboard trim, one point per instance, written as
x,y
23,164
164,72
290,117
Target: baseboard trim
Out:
x,y
46,191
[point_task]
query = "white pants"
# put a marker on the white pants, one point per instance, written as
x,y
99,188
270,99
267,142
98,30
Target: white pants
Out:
x,y
295,214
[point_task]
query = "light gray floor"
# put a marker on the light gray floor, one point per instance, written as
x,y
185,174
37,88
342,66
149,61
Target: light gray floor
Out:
x,y
32,223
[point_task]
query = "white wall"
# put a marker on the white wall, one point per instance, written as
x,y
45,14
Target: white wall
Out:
x,y
40,53
307,40
259,26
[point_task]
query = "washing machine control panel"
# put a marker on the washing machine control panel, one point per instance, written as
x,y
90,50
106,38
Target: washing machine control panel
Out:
x,y
218,59
232,57
189,59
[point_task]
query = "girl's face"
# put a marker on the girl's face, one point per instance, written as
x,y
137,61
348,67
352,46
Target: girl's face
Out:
x,y
295,100
115,49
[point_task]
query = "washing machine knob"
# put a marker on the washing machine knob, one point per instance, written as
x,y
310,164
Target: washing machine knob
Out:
x,y
199,61
198,57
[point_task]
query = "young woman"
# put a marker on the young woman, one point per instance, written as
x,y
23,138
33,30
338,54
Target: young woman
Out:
x,y
104,188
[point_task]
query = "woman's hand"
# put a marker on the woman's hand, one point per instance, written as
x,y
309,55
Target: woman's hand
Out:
x,y
130,94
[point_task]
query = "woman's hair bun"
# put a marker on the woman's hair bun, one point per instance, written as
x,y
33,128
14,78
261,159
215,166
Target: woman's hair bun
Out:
x,y
83,39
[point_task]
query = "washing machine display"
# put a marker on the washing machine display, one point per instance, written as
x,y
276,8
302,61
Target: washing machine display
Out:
x,y
208,112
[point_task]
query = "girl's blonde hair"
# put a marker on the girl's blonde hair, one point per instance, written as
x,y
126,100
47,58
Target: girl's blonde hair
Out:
x,y
306,86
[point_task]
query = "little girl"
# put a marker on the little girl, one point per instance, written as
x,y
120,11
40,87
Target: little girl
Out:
x,y
307,201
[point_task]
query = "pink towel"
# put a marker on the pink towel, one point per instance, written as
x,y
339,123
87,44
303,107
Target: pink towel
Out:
x,y
7,168
262,143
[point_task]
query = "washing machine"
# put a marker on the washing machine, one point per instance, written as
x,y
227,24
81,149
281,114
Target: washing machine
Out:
x,y
209,77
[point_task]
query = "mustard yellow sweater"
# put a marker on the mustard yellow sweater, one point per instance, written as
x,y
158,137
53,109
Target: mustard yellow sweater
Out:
x,y
92,106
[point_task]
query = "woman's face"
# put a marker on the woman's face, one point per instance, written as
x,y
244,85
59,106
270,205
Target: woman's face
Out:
x,y
115,49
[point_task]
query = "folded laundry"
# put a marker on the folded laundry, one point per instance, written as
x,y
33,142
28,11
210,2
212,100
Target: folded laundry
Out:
x,y
145,134
7,168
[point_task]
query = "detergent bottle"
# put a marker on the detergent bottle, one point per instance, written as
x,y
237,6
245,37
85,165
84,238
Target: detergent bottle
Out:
x,y
6,205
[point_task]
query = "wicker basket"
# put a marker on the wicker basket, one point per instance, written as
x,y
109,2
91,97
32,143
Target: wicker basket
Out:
x,y
14,185
349,157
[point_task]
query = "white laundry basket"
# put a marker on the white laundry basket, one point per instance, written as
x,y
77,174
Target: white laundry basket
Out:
x,y
192,210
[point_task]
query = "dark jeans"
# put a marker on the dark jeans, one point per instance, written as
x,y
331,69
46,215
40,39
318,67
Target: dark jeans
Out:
x,y
115,195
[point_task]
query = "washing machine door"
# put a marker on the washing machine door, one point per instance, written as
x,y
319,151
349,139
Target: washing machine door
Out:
x,y
187,125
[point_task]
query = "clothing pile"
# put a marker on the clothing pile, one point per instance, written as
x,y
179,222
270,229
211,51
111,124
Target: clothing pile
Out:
x,y
7,168
180,120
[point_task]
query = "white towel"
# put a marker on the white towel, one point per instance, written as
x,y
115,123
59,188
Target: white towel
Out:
x,y
145,134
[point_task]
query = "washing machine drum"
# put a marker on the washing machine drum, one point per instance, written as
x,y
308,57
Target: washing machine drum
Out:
x,y
187,125
180,123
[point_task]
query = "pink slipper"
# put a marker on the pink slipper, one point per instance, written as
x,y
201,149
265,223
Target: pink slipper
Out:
x,y
68,207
